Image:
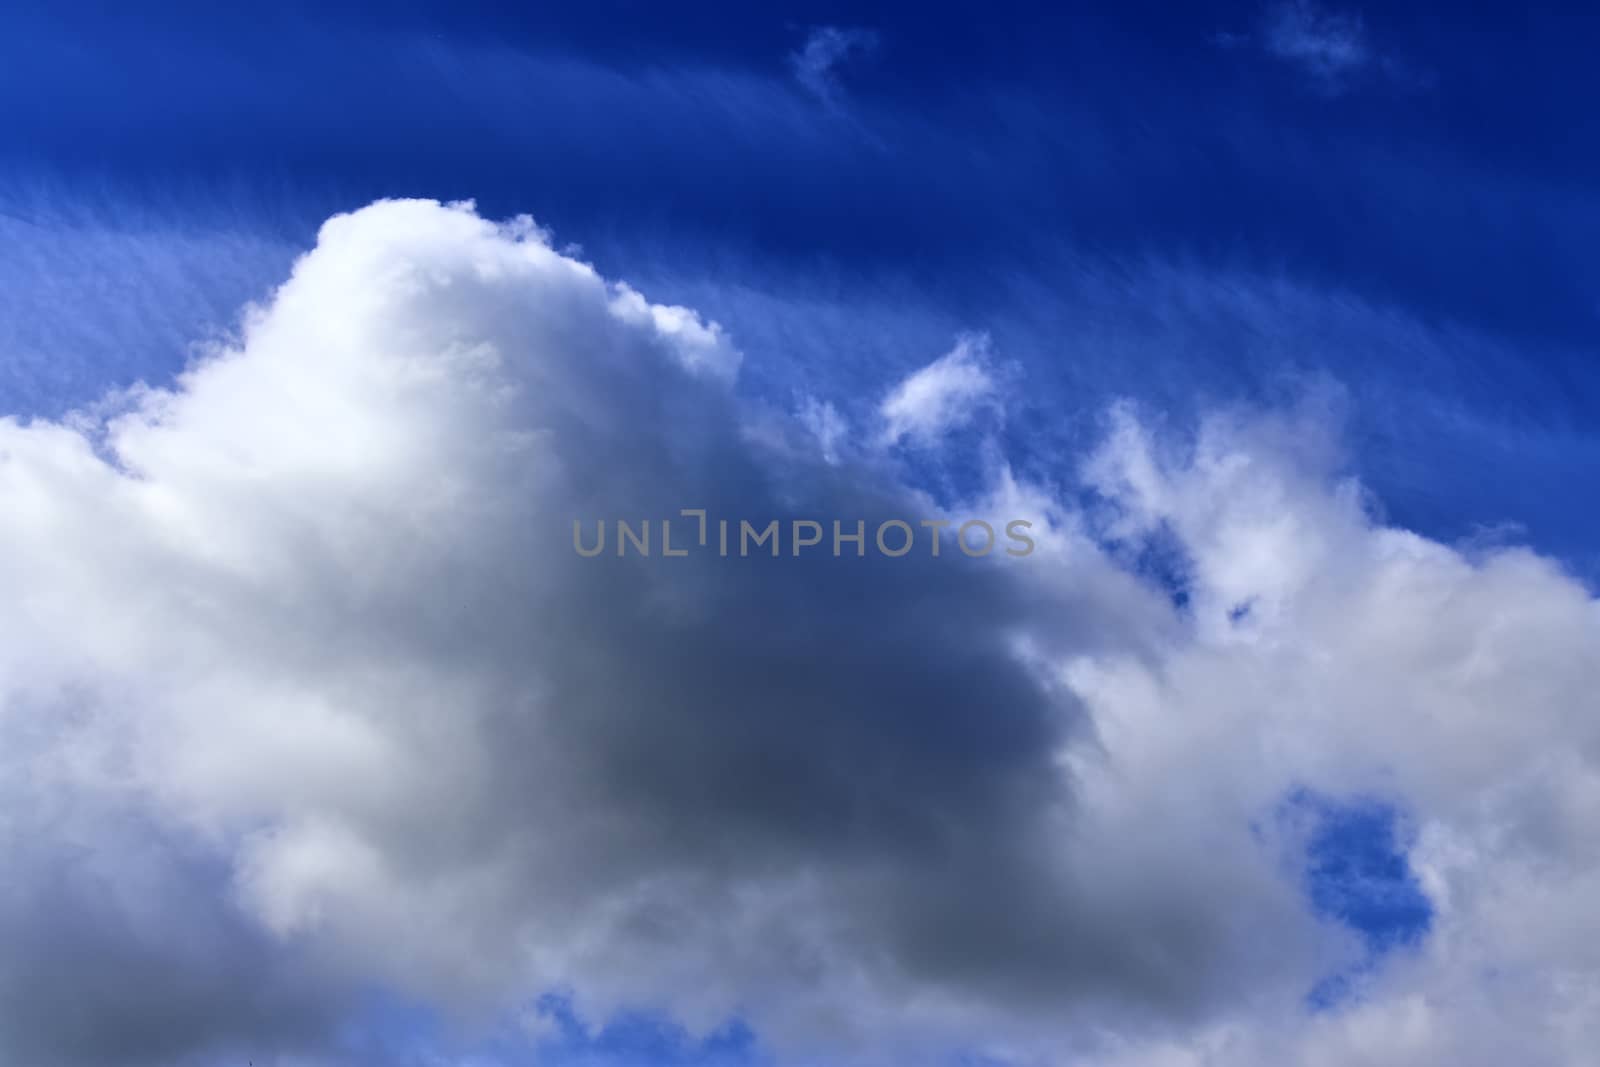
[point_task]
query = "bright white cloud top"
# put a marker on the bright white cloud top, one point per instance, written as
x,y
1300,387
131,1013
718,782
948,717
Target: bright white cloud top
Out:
x,y
303,691
945,395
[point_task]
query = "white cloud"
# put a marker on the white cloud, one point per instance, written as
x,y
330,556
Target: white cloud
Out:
x,y
826,426
297,660
945,395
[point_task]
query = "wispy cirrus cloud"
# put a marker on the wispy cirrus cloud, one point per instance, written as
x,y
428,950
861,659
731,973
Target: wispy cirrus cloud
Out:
x,y
816,63
1331,47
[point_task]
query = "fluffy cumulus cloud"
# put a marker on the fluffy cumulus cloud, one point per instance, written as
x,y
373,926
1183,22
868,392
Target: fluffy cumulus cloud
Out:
x,y
948,394
304,691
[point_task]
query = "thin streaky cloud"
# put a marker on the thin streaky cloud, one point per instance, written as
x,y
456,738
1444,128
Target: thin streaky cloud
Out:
x,y
816,63
1331,48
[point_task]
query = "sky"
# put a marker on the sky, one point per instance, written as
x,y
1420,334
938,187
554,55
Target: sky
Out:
x,y
330,333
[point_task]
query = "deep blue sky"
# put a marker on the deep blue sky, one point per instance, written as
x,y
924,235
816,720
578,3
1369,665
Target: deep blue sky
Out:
x,y
1134,199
